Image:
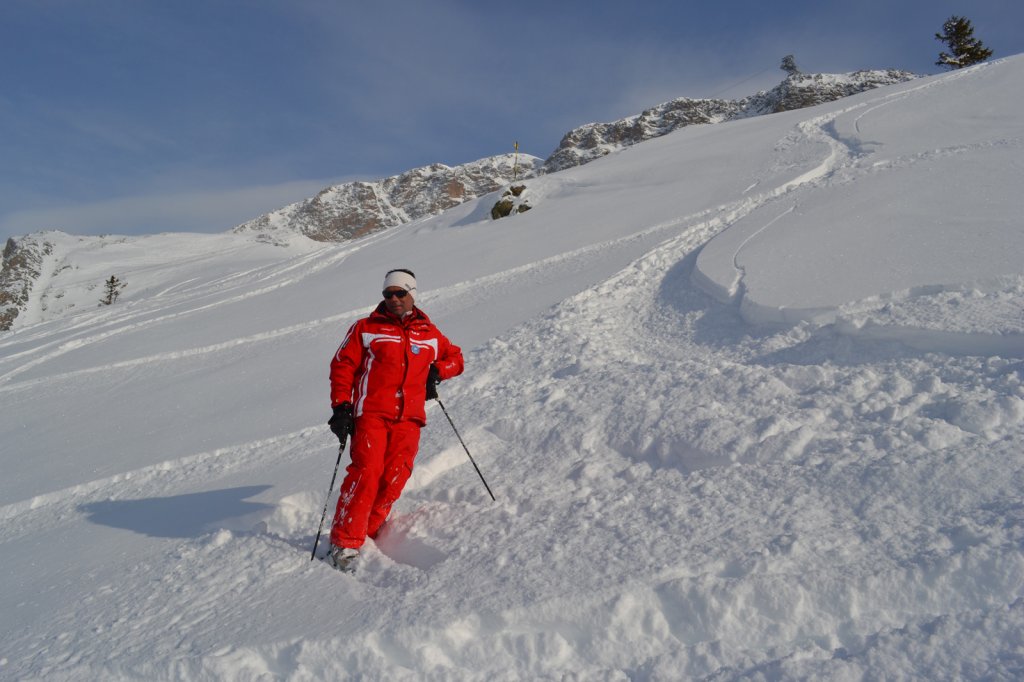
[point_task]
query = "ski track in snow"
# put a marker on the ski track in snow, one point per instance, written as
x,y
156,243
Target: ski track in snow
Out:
x,y
455,296
846,163
152,311
841,156
132,320
794,420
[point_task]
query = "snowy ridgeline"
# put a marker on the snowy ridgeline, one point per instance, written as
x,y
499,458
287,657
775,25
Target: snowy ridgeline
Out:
x,y
761,420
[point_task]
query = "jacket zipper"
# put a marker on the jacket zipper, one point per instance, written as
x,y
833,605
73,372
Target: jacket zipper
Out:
x,y
405,372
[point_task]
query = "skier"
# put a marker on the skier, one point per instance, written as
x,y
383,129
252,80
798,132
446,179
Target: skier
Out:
x,y
386,368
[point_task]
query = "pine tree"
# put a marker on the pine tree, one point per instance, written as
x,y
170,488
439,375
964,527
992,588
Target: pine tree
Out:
x,y
113,288
964,48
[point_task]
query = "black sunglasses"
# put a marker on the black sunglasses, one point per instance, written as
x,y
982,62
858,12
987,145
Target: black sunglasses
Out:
x,y
389,294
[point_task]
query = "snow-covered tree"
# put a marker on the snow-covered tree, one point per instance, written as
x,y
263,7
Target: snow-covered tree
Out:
x,y
964,48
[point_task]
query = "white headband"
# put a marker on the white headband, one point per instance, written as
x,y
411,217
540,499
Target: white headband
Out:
x,y
398,278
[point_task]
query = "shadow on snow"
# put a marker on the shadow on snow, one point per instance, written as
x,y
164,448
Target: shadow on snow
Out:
x,y
181,516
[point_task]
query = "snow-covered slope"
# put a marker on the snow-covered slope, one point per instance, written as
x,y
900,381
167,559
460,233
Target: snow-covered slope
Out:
x,y
683,491
882,247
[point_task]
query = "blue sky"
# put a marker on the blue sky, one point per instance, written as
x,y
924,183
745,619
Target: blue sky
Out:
x,y
136,116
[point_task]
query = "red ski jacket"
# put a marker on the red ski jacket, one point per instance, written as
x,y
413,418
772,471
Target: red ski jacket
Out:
x,y
381,367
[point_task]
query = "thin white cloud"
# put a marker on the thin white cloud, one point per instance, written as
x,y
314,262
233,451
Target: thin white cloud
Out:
x,y
199,211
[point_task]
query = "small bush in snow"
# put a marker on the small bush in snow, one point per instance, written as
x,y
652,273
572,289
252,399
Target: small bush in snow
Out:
x,y
113,288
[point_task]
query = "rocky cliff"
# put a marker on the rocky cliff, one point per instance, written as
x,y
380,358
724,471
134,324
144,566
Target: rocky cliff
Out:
x,y
354,209
23,261
806,90
594,140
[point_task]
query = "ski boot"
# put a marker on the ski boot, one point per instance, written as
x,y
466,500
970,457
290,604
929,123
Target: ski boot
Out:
x,y
342,558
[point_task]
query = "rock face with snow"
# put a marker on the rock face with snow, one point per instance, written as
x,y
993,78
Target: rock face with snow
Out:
x,y
355,209
22,265
808,90
513,200
594,140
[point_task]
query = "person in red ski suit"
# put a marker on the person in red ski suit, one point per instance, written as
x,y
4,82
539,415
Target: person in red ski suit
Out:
x,y
386,368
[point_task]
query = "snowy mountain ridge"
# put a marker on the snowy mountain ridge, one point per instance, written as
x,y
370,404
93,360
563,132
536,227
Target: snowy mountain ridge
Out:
x,y
594,140
355,209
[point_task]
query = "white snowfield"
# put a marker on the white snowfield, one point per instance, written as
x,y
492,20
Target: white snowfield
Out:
x,y
749,396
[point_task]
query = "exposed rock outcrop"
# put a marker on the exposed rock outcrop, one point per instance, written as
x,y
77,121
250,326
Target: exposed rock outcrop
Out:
x,y
354,209
513,200
803,90
594,140
22,264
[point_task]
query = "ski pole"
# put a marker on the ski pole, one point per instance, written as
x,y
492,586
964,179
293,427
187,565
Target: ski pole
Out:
x,y
466,449
328,500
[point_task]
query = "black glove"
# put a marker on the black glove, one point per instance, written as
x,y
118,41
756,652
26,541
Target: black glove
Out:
x,y
342,423
433,377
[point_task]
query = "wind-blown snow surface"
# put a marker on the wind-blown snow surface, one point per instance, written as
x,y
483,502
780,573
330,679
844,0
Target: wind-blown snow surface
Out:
x,y
681,493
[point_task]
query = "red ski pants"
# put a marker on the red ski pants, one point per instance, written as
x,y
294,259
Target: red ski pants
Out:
x,y
382,455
